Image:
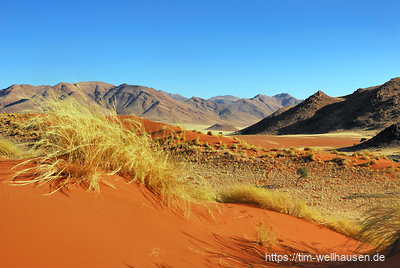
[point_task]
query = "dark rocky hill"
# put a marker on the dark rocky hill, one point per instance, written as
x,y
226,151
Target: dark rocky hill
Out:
x,y
387,138
366,109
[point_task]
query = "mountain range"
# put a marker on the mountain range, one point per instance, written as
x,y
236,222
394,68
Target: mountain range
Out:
x,y
149,103
372,108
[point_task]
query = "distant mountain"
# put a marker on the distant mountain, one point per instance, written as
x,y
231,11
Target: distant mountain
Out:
x,y
155,105
367,109
222,127
286,100
148,103
225,99
177,97
21,98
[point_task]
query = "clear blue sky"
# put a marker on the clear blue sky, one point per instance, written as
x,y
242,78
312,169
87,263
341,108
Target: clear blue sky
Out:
x,y
203,47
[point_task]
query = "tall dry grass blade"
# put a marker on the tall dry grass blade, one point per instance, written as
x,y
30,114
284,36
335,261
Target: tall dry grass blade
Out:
x,y
382,225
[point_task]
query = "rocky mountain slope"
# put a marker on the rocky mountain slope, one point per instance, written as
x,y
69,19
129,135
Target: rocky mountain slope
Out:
x,y
366,109
148,103
21,98
387,138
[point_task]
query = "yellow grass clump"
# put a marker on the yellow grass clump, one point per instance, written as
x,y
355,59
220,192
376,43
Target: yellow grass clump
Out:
x,y
265,235
309,157
82,145
382,225
341,161
281,202
249,194
8,149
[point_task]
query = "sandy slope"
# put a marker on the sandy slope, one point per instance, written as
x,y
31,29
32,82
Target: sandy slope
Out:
x,y
125,227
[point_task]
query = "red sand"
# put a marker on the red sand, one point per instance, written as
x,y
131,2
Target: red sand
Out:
x,y
380,164
125,227
155,129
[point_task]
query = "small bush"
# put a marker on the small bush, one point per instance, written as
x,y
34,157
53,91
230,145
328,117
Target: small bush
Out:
x,y
309,158
265,235
366,152
197,141
367,164
266,155
341,161
303,172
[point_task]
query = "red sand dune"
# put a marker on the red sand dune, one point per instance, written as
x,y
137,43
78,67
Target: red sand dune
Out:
x,y
155,129
126,227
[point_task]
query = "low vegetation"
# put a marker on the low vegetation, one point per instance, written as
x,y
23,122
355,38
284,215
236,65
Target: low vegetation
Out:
x,y
251,195
8,149
382,225
341,161
265,235
280,202
302,172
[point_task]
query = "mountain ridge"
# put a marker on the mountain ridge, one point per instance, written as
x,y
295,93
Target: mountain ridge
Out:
x,y
370,108
146,102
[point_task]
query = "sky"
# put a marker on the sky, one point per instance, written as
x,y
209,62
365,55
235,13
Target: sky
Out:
x,y
203,48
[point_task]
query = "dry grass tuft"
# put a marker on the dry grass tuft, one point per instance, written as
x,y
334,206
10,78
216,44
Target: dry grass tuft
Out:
x,y
81,145
9,149
382,225
265,235
280,202
341,161
309,157
366,153
368,163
